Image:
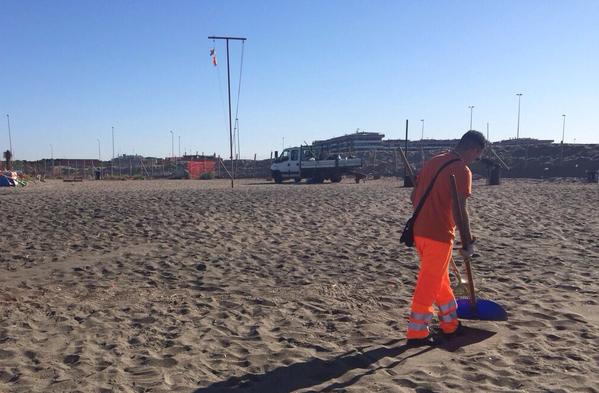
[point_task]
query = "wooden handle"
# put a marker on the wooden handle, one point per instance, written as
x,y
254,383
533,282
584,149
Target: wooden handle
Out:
x,y
404,159
456,271
466,240
464,237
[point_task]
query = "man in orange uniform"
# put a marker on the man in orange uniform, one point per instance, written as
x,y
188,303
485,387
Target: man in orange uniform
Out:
x,y
434,232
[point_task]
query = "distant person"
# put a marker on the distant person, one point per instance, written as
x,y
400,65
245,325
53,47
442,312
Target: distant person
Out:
x,y
434,232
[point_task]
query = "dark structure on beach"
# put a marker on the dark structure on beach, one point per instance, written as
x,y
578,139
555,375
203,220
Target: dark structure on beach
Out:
x,y
526,158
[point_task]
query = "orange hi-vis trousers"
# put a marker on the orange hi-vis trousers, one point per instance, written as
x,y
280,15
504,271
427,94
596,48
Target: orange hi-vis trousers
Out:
x,y
433,287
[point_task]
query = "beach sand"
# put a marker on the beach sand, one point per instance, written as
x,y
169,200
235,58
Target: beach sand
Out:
x,y
189,286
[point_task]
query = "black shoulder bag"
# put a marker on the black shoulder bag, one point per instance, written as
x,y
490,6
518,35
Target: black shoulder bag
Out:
x,y
407,236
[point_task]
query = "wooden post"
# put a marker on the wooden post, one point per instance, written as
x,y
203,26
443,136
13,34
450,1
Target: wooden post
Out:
x,y
408,168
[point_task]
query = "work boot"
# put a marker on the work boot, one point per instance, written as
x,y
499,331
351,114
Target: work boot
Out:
x,y
459,331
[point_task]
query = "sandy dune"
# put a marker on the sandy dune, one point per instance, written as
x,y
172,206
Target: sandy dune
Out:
x,y
189,286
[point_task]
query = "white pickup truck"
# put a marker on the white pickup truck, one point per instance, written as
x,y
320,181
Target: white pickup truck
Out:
x,y
299,163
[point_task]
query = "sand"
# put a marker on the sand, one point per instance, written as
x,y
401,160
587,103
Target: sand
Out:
x,y
189,286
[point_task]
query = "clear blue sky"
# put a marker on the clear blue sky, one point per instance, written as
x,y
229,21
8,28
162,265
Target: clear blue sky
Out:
x,y
70,70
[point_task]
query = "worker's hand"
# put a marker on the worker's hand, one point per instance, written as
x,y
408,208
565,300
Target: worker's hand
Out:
x,y
468,251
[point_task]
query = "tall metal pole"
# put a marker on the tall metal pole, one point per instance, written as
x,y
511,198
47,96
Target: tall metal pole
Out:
x,y
10,137
112,162
172,144
52,158
487,131
471,107
422,144
406,142
229,91
99,155
561,154
518,126
179,146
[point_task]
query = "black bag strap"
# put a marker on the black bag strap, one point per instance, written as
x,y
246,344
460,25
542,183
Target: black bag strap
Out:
x,y
430,187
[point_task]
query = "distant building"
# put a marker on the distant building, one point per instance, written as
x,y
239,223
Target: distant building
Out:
x,y
359,141
424,144
525,141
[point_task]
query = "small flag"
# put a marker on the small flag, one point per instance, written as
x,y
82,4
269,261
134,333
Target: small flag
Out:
x,y
213,56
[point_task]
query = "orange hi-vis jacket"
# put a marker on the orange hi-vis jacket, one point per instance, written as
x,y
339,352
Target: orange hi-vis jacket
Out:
x,y
435,220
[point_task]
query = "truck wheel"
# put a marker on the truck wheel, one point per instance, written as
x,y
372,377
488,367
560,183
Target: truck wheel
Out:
x,y
297,179
336,178
278,178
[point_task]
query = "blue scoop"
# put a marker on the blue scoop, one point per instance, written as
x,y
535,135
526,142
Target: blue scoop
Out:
x,y
485,310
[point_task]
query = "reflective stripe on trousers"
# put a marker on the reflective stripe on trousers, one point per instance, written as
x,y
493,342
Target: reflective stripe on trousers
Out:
x,y
448,316
418,324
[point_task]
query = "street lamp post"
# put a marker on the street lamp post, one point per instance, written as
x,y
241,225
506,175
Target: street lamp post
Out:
x,y
10,137
563,135
422,144
563,128
52,157
172,144
471,107
112,162
518,126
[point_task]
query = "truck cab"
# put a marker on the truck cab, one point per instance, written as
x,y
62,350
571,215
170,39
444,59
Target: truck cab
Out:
x,y
302,163
287,165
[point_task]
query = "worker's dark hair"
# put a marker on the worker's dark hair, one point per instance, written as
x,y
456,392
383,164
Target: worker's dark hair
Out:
x,y
472,139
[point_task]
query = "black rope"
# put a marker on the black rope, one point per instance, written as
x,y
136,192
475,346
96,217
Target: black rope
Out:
x,y
220,88
238,95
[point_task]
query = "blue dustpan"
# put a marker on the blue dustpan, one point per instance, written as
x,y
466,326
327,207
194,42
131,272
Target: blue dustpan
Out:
x,y
485,310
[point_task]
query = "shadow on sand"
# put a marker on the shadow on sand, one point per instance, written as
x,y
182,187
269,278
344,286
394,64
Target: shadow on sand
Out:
x,y
316,371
